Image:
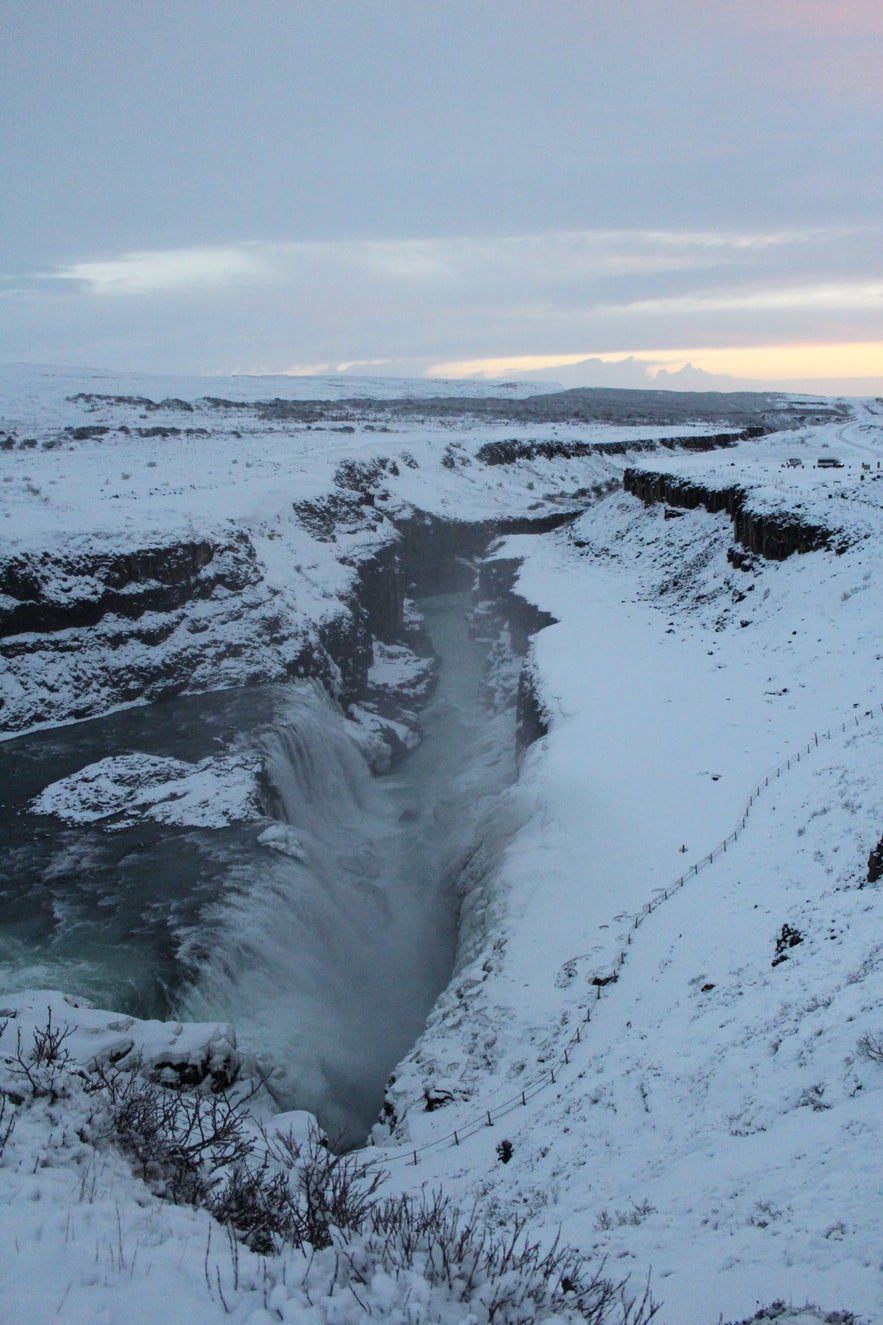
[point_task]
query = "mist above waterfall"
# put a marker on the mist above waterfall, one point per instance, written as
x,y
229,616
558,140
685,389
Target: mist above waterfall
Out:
x,y
314,909
328,952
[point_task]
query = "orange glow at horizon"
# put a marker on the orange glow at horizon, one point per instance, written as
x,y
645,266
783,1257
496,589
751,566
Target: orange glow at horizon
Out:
x,y
760,362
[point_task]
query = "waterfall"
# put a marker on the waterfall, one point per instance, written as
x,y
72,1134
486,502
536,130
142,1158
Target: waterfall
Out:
x,y
327,952
323,930
311,952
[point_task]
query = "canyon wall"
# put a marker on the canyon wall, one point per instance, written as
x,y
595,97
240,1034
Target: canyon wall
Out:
x,y
774,534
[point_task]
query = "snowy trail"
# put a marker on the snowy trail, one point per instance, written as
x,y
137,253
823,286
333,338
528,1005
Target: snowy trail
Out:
x,y
553,1075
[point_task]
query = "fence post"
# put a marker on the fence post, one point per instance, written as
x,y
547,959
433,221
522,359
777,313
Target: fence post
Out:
x,y
490,1121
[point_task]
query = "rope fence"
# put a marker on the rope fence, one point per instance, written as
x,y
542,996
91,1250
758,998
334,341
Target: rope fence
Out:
x,y
550,1076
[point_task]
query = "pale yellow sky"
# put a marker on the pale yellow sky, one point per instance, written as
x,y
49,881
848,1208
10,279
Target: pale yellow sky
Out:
x,y
760,362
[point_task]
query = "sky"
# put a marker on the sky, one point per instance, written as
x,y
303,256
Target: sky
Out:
x,y
682,193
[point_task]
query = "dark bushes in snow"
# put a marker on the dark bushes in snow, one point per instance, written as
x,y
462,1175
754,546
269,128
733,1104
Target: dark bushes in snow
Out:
x,y
275,1191
788,938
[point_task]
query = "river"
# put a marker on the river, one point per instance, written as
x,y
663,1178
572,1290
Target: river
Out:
x,y
325,956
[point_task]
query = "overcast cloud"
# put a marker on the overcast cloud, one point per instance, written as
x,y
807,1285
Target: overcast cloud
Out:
x,y
409,185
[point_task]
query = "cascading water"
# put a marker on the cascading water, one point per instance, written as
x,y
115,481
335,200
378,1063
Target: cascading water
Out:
x,y
330,957
323,931
311,952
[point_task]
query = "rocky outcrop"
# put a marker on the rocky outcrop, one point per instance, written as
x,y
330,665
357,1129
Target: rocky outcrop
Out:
x,y
496,585
86,628
507,452
65,590
774,534
438,555
875,863
372,609
531,717
499,599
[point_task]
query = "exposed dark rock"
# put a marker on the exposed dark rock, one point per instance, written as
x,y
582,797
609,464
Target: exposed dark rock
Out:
x,y
509,451
531,718
91,398
338,512
875,863
496,584
788,938
435,1098
59,591
86,433
580,404
740,560
771,534
380,592
84,630
774,535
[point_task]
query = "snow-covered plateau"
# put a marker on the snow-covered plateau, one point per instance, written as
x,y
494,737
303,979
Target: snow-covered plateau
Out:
x,y
496,763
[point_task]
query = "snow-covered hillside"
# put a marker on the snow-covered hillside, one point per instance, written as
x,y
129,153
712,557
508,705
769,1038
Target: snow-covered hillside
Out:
x,y
673,1060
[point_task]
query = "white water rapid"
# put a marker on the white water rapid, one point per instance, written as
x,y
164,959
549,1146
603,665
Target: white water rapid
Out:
x,y
327,956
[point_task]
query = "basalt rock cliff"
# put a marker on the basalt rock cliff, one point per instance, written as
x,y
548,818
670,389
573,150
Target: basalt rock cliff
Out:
x,y
773,534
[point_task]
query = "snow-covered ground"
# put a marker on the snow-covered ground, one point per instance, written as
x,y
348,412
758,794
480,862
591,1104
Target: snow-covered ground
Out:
x,y
719,1120
712,1115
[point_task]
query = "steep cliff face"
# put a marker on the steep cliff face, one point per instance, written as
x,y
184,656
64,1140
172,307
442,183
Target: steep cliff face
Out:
x,y
496,582
64,591
511,450
82,631
875,863
774,534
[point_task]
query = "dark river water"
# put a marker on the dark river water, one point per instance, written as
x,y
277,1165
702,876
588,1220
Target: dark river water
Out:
x,y
325,957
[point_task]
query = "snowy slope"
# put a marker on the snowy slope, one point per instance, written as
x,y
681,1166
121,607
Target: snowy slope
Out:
x,y
719,1120
718,1123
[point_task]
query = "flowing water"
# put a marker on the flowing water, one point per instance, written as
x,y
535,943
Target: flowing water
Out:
x,y
326,942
